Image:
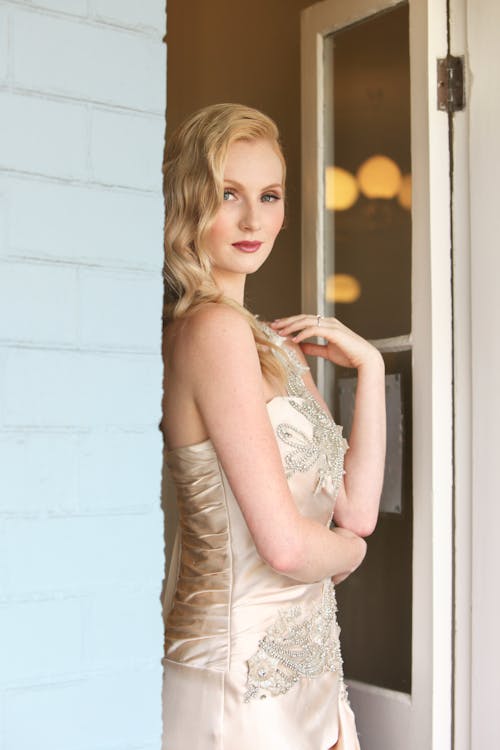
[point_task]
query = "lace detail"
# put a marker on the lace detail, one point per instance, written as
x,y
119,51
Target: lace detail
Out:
x,y
296,647
326,446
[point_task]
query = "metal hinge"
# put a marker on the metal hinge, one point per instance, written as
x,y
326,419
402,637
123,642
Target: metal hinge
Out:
x,y
450,84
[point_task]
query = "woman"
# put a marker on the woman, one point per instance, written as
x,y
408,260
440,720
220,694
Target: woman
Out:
x,y
252,650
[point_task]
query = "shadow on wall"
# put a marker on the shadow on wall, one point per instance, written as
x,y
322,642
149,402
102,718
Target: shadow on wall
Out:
x,y
221,52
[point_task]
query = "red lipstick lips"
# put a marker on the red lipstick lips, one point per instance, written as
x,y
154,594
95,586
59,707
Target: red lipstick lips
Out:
x,y
247,247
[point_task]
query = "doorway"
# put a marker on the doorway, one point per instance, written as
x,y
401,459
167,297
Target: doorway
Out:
x,y
377,256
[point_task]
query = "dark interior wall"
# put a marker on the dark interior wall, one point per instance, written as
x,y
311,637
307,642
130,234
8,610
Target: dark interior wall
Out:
x,y
247,52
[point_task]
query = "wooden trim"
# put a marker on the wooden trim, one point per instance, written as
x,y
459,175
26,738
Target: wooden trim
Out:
x,y
431,714
463,520
394,343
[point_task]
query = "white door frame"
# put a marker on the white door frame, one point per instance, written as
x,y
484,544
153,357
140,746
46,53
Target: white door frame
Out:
x,y
462,370
430,706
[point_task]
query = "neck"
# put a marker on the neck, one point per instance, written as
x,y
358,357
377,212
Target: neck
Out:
x,y
232,285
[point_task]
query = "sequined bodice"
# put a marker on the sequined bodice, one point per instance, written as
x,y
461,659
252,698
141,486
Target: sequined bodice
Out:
x,y
325,446
231,611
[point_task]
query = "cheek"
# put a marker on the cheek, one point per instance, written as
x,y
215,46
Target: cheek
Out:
x,y
277,219
218,230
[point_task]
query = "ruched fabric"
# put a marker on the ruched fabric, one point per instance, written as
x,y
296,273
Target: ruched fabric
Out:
x,y
252,657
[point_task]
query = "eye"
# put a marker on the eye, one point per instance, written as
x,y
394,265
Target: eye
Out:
x,y
270,198
228,194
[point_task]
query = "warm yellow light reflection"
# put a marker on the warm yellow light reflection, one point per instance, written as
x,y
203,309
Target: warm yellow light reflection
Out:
x,y
342,287
404,195
341,189
379,177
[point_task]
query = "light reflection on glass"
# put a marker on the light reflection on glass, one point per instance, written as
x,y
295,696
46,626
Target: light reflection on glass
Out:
x,y
341,189
342,287
379,177
404,195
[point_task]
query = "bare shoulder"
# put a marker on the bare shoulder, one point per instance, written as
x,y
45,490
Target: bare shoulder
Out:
x,y
216,330
207,354
215,319
213,339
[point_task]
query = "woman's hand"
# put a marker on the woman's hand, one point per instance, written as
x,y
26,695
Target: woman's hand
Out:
x,y
346,533
343,347
356,507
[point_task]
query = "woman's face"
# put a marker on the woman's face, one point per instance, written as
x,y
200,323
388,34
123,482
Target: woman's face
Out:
x,y
252,212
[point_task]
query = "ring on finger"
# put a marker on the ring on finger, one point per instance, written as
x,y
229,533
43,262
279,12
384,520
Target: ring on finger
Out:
x,y
318,319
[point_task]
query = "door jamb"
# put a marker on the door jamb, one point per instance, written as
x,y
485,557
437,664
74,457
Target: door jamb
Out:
x,y
432,617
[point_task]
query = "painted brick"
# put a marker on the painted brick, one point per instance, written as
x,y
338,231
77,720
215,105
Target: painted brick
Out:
x,y
49,634
39,473
3,710
119,471
87,225
120,310
50,315
119,710
150,15
122,68
75,7
81,529
41,136
44,388
3,370
126,149
4,44
68,554
118,629
4,211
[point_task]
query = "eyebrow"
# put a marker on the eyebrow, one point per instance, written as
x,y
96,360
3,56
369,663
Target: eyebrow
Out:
x,y
268,187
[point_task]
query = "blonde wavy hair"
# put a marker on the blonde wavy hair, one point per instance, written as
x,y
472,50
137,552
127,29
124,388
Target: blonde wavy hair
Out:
x,y
193,185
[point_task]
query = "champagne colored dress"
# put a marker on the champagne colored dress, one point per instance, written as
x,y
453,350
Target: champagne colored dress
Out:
x,y
253,657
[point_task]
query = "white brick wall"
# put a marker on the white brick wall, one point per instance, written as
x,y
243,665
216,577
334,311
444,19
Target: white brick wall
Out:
x,y
76,7
125,235
101,63
113,709
82,99
131,13
41,136
122,148
52,294
3,44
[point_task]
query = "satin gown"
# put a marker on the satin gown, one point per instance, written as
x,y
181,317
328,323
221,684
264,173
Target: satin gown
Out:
x,y
252,658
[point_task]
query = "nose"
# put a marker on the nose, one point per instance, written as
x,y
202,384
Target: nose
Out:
x,y
250,218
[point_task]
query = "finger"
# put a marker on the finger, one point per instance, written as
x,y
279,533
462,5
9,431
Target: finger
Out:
x,y
314,350
310,331
283,322
304,317
308,321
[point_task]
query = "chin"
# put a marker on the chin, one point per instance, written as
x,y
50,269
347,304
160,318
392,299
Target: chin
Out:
x,y
253,267
253,262
244,264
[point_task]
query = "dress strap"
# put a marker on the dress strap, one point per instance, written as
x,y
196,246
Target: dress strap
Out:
x,y
290,360
326,445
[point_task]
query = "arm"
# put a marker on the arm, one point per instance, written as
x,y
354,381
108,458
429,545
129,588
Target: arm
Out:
x,y
357,503
220,359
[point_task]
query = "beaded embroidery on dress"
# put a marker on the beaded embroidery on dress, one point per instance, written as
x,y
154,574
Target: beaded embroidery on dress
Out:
x,y
295,646
236,630
327,444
